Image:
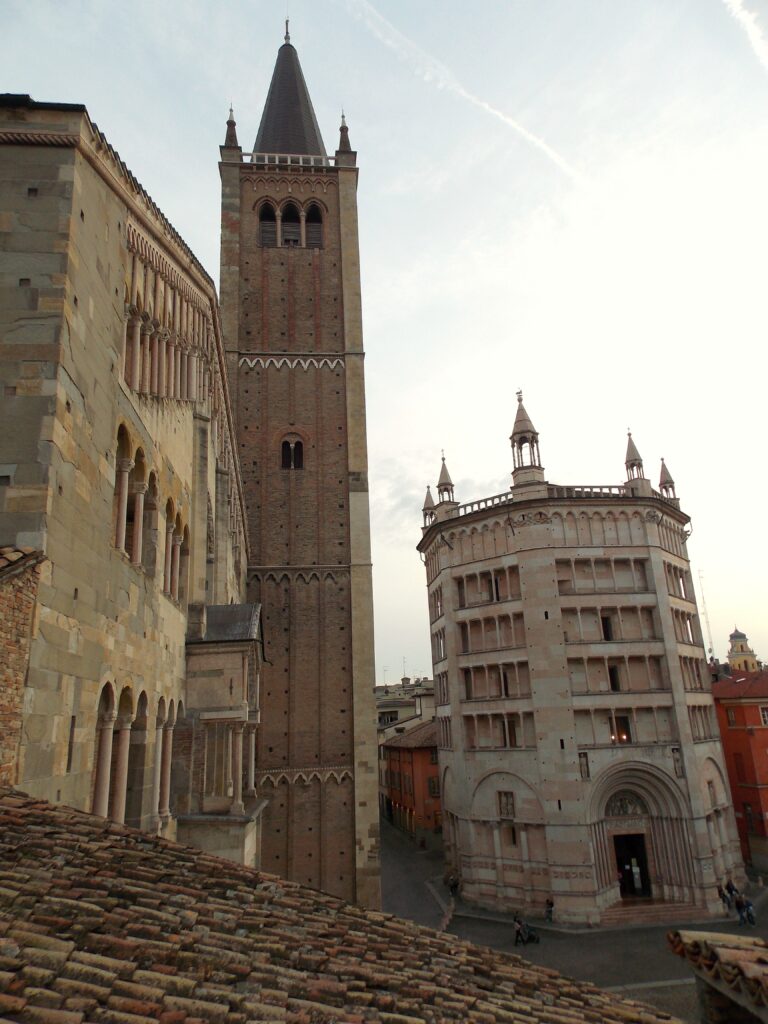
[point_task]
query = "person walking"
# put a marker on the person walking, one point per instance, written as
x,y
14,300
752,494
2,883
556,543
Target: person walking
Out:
x,y
549,909
749,912
725,899
741,907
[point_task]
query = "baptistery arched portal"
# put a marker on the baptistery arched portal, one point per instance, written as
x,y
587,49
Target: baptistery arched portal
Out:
x,y
639,836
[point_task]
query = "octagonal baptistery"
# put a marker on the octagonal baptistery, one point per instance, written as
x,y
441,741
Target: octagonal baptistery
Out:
x,y
579,753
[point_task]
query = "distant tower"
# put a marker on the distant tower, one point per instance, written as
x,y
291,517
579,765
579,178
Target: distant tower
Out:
x,y
741,657
525,449
291,312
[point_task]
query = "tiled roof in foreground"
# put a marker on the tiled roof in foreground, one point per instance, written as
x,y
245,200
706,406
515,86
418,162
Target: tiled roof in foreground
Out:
x,y
736,965
102,923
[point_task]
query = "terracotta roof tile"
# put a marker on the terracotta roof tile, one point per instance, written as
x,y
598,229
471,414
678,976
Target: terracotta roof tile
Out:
x,y
102,923
735,963
424,735
742,685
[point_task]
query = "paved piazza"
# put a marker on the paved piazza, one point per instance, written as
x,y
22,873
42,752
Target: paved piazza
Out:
x,y
636,962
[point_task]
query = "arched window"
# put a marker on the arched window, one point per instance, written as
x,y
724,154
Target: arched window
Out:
x,y
150,526
123,467
291,225
292,454
184,568
168,554
267,226
134,513
314,227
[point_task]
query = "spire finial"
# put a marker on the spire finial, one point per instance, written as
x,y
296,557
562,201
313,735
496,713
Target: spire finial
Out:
x,y
287,33
230,140
519,394
343,119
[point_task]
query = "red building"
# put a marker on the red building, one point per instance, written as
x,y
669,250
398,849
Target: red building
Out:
x,y
742,713
411,798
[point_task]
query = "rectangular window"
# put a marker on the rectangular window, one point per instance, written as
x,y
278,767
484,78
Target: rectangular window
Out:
x,y
764,715
506,805
623,732
750,819
433,756
731,716
468,683
433,785
613,678
71,746
607,627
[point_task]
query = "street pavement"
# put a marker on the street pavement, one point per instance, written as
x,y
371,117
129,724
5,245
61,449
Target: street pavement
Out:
x,y
635,962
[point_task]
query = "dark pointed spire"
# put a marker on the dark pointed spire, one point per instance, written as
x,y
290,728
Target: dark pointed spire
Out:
x,y
344,146
231,138
288,124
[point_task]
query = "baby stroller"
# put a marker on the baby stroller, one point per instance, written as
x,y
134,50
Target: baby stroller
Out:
x,y
524,933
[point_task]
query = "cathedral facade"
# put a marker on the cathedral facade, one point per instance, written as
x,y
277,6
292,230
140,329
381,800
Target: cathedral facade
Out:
x,y
579,748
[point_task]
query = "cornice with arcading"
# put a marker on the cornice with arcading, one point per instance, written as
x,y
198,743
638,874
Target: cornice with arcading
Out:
x,y
279,183
317,360
303,776
296,574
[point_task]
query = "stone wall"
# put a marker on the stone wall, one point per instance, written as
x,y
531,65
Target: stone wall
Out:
x,y
18,592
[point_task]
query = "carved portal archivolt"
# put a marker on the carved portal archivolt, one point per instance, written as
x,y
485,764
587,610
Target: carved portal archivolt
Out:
x,y
625,804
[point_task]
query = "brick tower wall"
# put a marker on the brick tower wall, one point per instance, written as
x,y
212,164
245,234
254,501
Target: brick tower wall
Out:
x,y
290,374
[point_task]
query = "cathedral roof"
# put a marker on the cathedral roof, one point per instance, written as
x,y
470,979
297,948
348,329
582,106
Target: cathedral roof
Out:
x,y
737,634
100,922
288,124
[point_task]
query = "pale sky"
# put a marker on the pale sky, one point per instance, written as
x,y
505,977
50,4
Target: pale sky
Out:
x,y
564,196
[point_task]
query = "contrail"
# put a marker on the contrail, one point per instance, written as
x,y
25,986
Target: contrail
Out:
x,y
431,70
748,21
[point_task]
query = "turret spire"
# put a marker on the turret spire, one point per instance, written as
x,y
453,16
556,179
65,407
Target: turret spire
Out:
x,y
344,145
525,448
444,484
666,483
633,460
230,140
429,507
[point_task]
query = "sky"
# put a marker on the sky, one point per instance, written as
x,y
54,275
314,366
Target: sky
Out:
x,y
568,197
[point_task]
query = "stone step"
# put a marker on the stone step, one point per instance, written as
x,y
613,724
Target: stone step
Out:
x,y
651,913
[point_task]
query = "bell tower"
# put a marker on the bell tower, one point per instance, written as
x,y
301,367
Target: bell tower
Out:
x,y
292,322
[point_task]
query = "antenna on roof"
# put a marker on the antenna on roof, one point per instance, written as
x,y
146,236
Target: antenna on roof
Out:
x,y
704,609
287,33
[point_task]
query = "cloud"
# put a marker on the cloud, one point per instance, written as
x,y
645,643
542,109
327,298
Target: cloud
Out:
x,y
748,21
436,73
